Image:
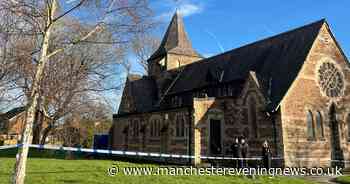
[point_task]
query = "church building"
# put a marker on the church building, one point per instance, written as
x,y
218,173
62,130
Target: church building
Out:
x,y
292,89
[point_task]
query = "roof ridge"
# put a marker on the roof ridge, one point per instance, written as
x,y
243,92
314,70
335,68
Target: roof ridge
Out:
x,y
259,41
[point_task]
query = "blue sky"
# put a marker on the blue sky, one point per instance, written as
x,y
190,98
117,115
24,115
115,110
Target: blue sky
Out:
x,y
214,26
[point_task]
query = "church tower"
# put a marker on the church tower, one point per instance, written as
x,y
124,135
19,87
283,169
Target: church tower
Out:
x,y
174,51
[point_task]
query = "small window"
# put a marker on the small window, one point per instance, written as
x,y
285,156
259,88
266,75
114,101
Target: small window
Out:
x,y
310,125
229,90
180,127
155,128
152,128
158,127
319,125
348,124
180,101
136,128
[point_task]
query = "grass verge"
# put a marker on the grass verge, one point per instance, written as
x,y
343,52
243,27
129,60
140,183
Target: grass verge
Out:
x,y
50,171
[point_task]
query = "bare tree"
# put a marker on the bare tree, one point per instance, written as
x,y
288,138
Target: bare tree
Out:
x,y
7,67
39,21
143,46
80,126
86,72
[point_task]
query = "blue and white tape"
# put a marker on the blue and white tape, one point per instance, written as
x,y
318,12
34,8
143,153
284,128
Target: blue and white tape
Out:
x,y
142,154
8,147
125,153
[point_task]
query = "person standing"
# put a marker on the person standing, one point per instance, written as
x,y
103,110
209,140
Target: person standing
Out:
x,y
244,152
236,151
266,153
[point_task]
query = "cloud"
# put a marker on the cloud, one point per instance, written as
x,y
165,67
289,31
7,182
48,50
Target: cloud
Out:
x,y
189,9
185,8
208,55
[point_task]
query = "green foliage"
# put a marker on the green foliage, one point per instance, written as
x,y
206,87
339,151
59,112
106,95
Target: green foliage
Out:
x,y
90,127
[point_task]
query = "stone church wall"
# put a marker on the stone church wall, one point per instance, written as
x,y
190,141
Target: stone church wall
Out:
x,y
236,117
305,96
167,141
175,60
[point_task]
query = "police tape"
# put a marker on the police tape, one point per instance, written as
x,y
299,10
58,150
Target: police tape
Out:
x,y
130,153
87,150
8,147
125,153
143,154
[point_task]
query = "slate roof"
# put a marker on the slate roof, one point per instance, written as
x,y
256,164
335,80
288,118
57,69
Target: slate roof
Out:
x,y
144,93
276,61
175,40
5,117
12,113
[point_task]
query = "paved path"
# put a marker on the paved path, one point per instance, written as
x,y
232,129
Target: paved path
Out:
x,y
322,179
326,179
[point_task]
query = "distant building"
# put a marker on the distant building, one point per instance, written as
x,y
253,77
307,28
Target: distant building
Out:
x,y
12,125
292,89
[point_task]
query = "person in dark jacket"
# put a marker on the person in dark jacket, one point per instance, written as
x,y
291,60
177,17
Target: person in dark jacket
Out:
x,y
266,154
244,152
236,151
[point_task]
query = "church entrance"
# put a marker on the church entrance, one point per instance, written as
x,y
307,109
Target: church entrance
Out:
x,y
337,153
215,137
164,139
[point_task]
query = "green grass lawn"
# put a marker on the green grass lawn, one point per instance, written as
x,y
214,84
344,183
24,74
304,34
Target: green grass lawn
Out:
x,y
51,171
343,179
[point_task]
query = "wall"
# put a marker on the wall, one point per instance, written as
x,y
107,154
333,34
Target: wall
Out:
x,y
305,95
144,141
235,114
175,60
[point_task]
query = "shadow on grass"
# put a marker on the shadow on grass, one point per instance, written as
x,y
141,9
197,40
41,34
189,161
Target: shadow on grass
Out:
x,y
52,172
69,181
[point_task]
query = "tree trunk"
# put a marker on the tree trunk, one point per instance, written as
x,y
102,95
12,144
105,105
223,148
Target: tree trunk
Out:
x,y
46,132
38,122
22,155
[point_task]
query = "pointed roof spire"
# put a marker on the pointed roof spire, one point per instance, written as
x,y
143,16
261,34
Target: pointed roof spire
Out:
x,y
175,40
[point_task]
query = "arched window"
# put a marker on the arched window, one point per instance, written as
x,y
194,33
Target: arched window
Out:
x,y
310,125
319,124
252,117
224,91
180,127
157,132
155,128
177,127
229,90
219,92
126,135
136,128
182,134
348,123
151,128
